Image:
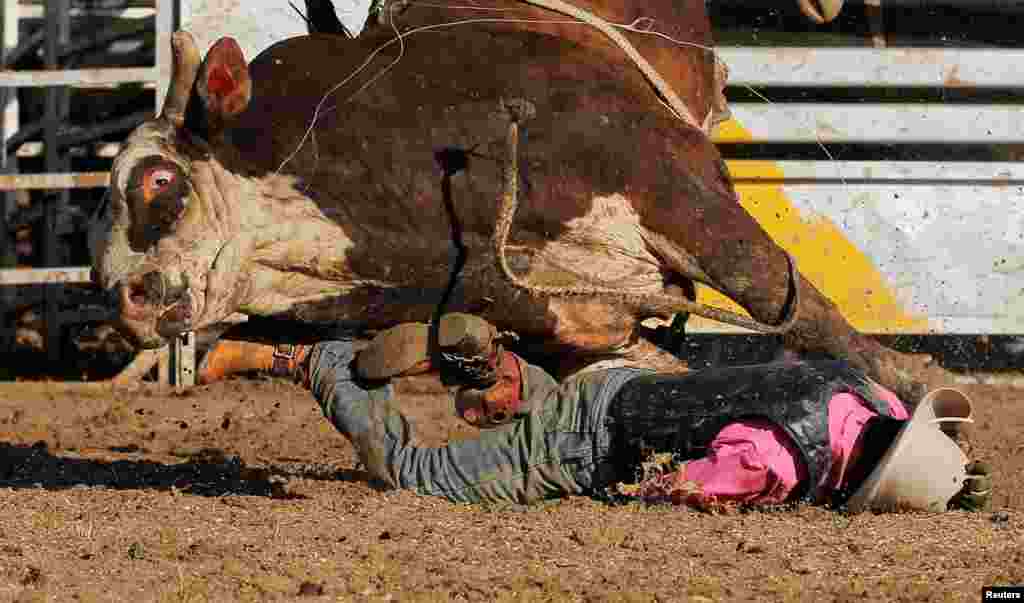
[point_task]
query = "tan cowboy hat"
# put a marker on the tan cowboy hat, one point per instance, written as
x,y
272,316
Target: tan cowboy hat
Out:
x,y
923,468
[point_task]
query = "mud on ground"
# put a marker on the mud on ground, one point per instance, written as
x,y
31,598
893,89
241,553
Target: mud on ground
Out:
x,y
242,491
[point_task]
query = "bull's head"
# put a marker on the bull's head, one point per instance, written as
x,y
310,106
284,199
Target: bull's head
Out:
x,y
167,241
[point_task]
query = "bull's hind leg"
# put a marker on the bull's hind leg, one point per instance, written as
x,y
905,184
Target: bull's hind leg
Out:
x,y
742,261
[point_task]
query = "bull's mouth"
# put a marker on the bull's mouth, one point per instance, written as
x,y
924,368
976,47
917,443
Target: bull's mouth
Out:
x,y
151,314
176,319
190,292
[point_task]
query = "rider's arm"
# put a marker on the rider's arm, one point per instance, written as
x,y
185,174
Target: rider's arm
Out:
x,y
509,463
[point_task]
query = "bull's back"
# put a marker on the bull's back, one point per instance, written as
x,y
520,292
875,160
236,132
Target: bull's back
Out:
x,y
373,153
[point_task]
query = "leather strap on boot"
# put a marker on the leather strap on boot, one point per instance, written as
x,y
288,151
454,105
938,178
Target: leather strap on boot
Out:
x,y
289,362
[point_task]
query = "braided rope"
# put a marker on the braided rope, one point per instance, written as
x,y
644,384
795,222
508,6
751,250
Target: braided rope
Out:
x,y
652,75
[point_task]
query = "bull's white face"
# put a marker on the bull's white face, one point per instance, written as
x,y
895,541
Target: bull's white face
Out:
x,y
172,215
168,220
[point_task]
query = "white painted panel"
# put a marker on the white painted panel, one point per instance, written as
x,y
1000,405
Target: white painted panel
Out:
x,y
952,250
877,123
255,24
785,66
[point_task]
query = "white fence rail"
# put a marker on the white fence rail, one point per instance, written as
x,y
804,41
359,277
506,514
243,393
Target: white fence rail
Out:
x,y
902,246
873,67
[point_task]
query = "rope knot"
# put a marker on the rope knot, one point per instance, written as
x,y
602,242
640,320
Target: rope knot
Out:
x,y
517,109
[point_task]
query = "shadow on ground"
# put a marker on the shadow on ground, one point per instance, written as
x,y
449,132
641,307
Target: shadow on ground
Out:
x,y
210,472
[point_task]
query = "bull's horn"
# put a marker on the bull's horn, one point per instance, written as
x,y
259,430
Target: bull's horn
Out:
x,y
184,68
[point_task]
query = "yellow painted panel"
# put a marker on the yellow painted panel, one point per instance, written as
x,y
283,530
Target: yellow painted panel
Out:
x,y
822,252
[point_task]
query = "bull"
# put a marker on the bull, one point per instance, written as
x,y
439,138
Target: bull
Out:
x,y
326,181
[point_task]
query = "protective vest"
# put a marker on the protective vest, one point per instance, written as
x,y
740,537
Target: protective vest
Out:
x,y
682,413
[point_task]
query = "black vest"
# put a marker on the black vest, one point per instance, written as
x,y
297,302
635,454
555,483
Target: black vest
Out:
x,y
682,413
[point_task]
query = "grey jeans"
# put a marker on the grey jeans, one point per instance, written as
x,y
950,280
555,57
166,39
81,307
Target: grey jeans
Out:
x,y
562,447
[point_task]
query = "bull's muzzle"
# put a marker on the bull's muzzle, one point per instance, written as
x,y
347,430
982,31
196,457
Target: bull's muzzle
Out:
x,y
149,300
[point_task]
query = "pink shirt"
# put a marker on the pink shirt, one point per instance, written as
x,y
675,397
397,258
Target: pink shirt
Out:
x,y
755,461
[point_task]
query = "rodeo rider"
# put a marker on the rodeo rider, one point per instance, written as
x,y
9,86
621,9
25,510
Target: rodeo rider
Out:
x,y
760,434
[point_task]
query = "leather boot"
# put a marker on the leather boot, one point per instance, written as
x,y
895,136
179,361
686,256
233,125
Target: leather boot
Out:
x,y
400,350
467,345
470,350
229,357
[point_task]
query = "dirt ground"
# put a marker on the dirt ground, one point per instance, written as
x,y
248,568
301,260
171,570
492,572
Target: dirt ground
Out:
x,y
242,491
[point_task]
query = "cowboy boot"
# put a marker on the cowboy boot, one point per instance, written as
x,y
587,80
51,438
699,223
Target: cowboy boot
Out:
x,y
470,350
230,357
398,351
467,345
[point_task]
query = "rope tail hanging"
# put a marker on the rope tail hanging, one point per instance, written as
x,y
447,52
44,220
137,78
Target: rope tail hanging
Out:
x,y
520,110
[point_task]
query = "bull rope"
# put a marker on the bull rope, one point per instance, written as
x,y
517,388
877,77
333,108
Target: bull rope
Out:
x,y
652,75
509,203
510,199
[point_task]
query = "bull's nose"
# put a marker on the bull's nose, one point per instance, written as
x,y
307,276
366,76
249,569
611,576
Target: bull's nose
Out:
x,y
150,289
154,287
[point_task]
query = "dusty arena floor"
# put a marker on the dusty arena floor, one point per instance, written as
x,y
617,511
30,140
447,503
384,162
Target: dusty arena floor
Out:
x,y
242,491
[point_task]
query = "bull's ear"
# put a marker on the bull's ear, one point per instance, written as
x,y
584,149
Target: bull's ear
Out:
x,y
222,91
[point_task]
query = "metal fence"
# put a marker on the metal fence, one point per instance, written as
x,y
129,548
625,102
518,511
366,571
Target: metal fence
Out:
x,y
54,20
883,151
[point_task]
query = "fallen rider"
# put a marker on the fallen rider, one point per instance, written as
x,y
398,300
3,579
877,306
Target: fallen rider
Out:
x,y
759,434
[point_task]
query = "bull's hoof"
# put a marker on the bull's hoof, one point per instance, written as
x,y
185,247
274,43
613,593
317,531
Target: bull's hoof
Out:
x,y
820,11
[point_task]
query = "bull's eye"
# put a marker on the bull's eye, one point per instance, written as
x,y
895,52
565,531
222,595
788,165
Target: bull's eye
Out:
x,y
157,194
159,179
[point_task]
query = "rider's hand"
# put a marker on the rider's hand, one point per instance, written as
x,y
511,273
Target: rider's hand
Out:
x,y
977,491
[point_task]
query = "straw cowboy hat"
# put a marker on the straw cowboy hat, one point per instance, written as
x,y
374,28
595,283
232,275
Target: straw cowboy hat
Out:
x,y
923,468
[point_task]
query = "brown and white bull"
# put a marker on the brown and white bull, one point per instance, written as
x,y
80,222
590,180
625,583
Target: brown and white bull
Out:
x,y
310,185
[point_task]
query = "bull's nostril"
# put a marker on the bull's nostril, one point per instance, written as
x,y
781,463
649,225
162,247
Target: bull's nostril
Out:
x,y
137,293
153,287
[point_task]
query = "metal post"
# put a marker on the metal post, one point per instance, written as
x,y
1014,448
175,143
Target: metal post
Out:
x,y
56,111
166,21
183,360
180,368
873,10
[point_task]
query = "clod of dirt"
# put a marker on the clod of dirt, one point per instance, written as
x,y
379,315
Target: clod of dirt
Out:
x,y
279,487
752,549
311,589
135,551
33,577
1000,517
385,535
